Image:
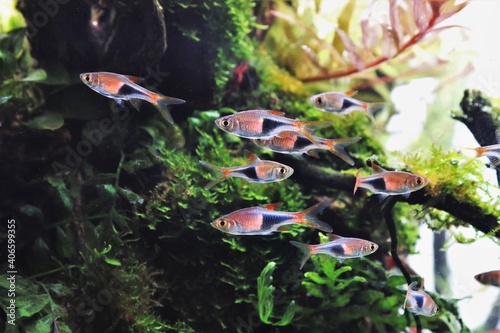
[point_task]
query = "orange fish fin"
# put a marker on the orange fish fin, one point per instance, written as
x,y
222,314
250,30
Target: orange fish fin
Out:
x,y
276,113
333,237
272,206
251,156
135,79
162,102
220,174
350,93
358,182
377,168
308,216
337,146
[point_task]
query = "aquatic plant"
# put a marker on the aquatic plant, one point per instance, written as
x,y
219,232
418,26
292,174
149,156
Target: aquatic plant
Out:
x,y
113,221
386,31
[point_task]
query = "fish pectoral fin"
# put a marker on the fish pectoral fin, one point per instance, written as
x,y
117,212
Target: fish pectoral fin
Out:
x,y
119,101
313,153
382,196
406,195
341,260
136,103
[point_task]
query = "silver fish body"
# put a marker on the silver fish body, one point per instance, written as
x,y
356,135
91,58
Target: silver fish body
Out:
x,y
264,220
258,171
419,302
340,248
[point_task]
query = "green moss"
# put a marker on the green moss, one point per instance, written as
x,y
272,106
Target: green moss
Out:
x,y
451,173
225,25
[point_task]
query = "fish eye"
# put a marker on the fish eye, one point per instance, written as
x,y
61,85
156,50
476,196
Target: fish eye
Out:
x,y
87,78
319,100
282,170
420,181
222,223
225,123
372,247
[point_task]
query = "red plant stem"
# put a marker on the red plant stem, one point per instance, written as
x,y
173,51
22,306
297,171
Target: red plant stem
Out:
x,y
415,39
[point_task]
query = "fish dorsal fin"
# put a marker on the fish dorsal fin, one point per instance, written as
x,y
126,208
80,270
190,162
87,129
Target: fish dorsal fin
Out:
x,y
413,286
421,284
350,93
135,79
251,156
272,206
333,237
276,113
377,168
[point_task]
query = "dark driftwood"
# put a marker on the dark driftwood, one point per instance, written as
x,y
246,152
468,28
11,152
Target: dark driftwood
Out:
x,y
477,119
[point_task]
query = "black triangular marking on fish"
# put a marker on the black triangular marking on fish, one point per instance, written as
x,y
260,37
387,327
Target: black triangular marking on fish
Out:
x,y
269,220
377,183
270,124
347,103
337,249
250,172
419,299
126,90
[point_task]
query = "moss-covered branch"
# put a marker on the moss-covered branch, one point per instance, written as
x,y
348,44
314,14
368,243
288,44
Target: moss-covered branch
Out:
x,y
320,180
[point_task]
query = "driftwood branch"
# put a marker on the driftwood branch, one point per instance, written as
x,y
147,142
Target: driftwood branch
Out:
x,y
479,121
391,226
314,177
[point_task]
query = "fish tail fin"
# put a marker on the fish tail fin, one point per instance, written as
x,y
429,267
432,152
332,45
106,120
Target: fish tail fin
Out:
x,y
162,102
308,216
337,146
358,182
306,251
220,174
306,128
373,108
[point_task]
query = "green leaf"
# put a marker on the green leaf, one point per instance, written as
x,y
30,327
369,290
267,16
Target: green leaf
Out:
x,y
29,305
343,24
315,277
113,262
47,121
65,244
396,280
35,75
265,292
132,197
42,325
64,194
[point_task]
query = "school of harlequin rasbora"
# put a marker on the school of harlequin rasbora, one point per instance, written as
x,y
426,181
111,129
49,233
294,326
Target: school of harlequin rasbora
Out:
x,y
272,130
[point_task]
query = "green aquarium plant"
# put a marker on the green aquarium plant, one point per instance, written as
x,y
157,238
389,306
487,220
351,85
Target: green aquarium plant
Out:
x,y
112,219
